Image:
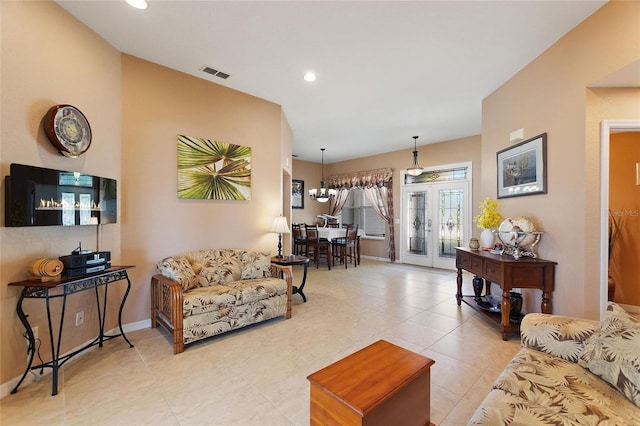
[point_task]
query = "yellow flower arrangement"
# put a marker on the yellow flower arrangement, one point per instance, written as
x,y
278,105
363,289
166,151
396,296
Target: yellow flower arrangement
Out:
x,y
489,218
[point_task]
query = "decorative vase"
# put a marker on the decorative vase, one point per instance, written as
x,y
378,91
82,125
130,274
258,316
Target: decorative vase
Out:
x,y
486,239
515,315
474,244
478,283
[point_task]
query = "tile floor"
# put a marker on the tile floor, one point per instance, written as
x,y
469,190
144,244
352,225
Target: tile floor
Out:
x,y
257,375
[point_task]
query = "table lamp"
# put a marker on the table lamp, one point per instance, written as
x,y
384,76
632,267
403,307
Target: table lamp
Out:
x,y
280,227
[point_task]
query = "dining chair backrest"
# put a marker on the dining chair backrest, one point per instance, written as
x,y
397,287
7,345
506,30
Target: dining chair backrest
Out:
x,y
352,233
312,232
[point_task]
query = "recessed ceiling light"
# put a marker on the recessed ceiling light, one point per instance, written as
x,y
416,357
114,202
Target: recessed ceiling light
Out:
x,y
310,76
138,4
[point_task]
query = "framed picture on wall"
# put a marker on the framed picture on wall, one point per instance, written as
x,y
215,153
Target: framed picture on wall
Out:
x,y
297,194
522,168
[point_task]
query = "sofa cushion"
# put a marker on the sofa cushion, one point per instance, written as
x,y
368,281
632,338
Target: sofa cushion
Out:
x,y
208,324
563,337
209,299
255,264
538,388
179,269
258,289
613,353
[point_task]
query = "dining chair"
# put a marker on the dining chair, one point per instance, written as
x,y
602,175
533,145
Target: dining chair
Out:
x,y
299,240
346,248
320,246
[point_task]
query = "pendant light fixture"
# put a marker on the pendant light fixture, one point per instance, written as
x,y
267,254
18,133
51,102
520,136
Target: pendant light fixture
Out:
x,y
322,195
415,169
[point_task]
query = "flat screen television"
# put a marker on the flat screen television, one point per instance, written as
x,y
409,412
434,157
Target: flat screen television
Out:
x,y
35,196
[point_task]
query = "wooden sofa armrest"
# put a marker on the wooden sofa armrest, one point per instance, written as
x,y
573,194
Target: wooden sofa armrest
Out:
x,y
284,273
556,335
166,308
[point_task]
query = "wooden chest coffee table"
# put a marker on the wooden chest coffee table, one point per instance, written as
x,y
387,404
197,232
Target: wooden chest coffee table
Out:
x,y
382,384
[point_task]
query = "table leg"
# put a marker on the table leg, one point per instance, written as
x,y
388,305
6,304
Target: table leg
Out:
x,y
55,349
546,302
459,292
505,308
102,313
124,299
299,290
32,341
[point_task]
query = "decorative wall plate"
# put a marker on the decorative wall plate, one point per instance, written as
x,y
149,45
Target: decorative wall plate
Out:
x,y
68,130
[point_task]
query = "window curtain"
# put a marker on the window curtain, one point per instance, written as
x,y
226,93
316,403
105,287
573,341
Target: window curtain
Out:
x,y
378,186
341,198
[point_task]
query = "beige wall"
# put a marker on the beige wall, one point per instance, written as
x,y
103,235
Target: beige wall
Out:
x,y
311,174
136,110
49,58
549,95
449,152
157,105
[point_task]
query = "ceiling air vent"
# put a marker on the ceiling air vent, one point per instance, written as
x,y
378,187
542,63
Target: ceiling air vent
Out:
x,y
215,72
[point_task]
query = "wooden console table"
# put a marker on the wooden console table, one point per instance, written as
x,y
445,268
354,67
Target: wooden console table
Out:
x,y
509,274
382,384
61,289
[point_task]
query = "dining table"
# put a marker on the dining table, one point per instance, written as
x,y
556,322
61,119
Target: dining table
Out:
x,y
331,233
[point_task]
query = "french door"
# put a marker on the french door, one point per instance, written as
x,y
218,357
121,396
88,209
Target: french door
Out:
x,y
435,220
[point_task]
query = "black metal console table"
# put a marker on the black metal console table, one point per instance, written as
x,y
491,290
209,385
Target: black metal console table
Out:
x,y
61,289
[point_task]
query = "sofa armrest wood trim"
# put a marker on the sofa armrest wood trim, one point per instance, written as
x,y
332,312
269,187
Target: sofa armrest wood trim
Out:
x,y
284,273
166,308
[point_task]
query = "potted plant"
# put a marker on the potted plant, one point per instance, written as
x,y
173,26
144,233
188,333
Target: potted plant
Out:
x,y
488,220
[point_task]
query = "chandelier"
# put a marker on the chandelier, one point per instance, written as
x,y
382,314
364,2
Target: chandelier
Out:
x,y
322,195
415,169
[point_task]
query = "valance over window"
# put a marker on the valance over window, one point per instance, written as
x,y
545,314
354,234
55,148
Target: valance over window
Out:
x,y
365,179
378,189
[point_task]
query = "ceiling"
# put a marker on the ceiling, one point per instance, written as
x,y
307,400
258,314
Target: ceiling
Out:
x,y
386,70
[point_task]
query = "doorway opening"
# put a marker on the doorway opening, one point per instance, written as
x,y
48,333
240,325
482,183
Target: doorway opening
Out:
x,y
608,127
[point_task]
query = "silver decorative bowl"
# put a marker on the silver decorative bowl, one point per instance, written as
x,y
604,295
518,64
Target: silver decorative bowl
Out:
x,y
518,237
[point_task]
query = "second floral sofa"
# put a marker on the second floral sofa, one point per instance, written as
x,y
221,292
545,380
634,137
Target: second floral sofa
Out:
x,y
569,372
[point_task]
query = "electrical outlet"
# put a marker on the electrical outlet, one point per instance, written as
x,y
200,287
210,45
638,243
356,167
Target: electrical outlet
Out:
x,y
79,318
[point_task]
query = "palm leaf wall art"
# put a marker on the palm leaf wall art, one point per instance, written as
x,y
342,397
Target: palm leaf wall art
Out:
x,y
213,170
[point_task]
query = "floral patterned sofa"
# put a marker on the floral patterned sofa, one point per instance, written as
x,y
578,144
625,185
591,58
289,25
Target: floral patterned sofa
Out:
x,y
203,293
569,372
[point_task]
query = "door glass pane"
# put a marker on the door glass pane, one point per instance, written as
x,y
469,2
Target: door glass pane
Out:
x,y
417,215
450,233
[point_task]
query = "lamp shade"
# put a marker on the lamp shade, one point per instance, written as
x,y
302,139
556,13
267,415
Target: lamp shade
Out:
x,y
415,169
280,225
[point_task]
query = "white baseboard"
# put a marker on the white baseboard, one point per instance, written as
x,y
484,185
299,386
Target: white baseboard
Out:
x,y
381,259
6,388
